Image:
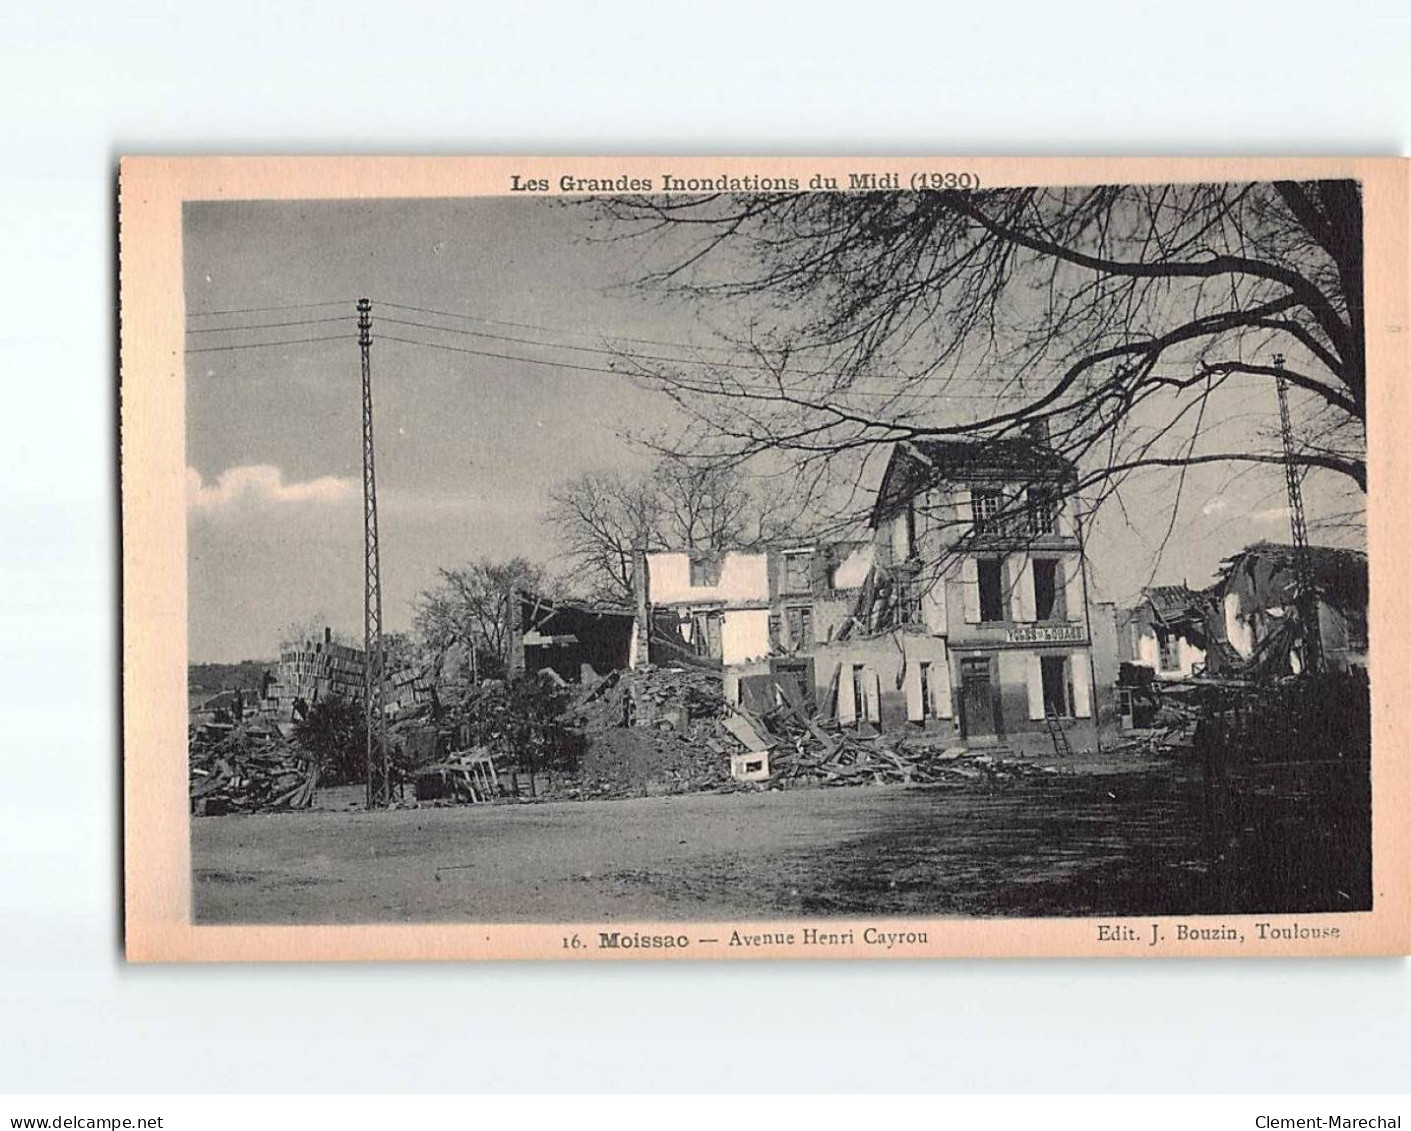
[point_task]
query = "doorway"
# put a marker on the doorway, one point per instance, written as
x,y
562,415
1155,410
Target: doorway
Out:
x,y
978,717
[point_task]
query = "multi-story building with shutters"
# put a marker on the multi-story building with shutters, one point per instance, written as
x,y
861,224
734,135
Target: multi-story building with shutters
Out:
x,y
975,619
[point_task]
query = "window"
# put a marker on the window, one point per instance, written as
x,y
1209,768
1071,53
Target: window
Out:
x,y
1048,593
706,633
926,699
988,573
705,571
796,571
906,600
988,504
1058,696
911,528
1043,510
800,627
1170,646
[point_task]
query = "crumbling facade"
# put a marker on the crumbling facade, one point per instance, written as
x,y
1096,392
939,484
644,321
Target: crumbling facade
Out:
x,y
742,607
975,616
1168,631
716,602
1246,625
1257,607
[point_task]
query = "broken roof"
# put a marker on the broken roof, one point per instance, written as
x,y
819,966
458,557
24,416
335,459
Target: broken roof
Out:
x,y
1339,575
917,464
536,603
1174,600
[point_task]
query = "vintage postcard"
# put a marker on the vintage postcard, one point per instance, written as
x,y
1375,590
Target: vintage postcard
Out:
x,y
706,558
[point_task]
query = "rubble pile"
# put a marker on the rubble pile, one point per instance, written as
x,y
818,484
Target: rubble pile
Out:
x,y
663,698
669,730
804,752
248,770
642,762
648,731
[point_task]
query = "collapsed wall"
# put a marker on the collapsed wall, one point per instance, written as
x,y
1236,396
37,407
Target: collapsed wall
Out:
x,y
319,670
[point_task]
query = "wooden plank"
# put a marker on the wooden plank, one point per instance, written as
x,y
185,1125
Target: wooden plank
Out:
x,y
742,729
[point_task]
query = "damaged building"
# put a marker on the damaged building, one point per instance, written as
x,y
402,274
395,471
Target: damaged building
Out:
x,y
743,607
1257,595
1246,624
1170,631
964,613
578,640
974,620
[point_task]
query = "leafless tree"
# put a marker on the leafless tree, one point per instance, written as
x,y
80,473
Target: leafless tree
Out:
x,y
475,607
1142,326
680,504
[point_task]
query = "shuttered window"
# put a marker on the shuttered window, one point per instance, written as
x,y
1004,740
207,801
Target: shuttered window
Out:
x,y
1057,696
1048,593
990,579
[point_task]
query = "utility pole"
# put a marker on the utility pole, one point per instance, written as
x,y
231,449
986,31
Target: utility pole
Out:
x,y
1307,595
374,662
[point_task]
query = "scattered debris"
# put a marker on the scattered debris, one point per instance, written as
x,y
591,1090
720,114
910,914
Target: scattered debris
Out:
x,y
804,752
669,730
467,776
248,769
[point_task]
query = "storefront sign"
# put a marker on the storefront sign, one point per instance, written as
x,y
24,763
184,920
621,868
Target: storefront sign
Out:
x,y
1046,634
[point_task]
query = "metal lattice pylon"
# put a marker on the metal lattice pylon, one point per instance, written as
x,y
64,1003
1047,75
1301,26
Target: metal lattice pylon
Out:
x,y
1307,594
374,666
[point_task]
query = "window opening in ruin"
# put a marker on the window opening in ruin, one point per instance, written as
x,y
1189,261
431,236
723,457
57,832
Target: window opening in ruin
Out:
x,y
988,573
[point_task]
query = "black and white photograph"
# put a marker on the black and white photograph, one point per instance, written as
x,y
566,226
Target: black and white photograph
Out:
x,y
740,565
728,548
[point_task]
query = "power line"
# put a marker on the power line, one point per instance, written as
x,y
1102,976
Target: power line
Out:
x,y
500,356
553,329
617,338
269,309
262,345
592,349
265,325
799,394
899,396
747,366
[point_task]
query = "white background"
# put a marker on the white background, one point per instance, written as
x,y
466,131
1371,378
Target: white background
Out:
x,y
86,82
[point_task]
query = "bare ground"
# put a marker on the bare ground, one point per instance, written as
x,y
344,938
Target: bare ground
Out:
x,y
1117,841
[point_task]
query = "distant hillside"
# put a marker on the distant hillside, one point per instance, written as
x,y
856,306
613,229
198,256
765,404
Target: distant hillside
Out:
x,y
226,677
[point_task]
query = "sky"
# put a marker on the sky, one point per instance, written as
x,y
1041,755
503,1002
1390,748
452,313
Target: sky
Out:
x,y
468,446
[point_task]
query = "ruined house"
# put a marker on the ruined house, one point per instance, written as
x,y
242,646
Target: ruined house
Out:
x,y
577,640
974,620
1169,631
743,607
1257,598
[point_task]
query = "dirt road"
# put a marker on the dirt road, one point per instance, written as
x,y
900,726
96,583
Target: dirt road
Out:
x,y
1072,845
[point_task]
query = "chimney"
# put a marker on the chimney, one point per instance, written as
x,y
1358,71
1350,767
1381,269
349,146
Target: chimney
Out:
x,y
327,635
641,626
